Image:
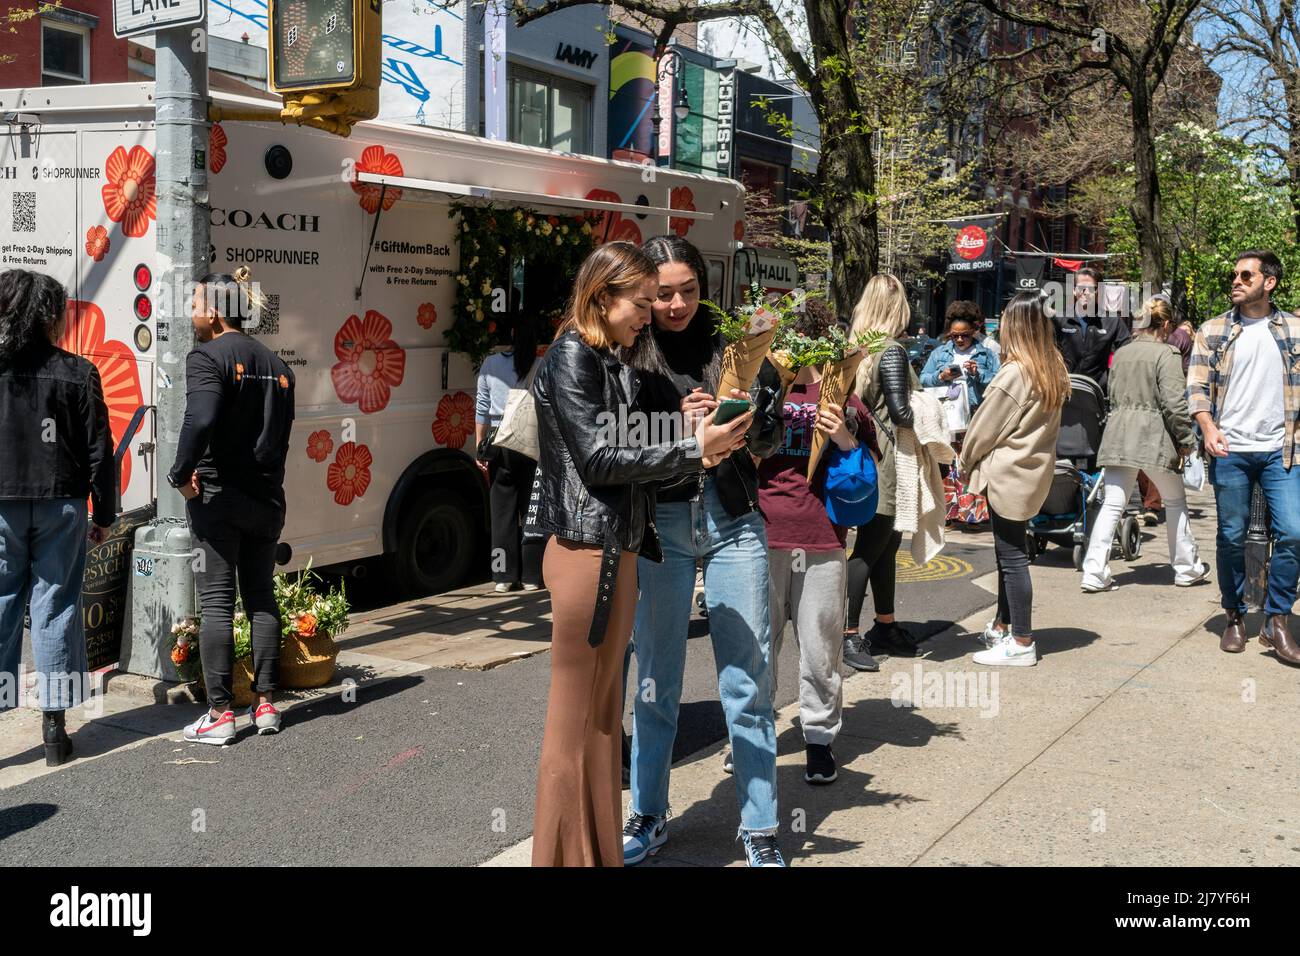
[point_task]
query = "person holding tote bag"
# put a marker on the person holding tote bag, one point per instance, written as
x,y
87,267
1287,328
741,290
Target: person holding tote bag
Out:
x,y
1008,455
1148,429
594,492
516,559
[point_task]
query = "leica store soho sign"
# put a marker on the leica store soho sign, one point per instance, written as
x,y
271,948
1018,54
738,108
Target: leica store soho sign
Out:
x,y
972,245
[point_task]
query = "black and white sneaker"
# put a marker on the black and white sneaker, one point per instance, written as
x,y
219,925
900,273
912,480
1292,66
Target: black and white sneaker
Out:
x,y
856,655
761,849
820,764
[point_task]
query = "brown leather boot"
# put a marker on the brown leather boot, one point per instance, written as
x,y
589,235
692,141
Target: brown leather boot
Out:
x,y
1277,635
1234,635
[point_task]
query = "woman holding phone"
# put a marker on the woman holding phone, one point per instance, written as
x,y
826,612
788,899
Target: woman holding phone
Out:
x,y
711,517
595,494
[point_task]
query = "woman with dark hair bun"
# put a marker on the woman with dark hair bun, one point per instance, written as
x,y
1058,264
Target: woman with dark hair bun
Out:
x,y
57,449
711,517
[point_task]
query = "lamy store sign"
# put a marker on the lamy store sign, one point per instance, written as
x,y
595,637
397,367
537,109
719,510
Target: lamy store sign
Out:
x,y
133,17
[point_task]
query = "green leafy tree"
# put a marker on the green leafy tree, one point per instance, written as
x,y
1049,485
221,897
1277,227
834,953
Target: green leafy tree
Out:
x,y
1220,196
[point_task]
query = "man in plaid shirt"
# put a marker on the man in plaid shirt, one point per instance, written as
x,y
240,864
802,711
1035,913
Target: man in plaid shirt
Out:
x,y
1243,389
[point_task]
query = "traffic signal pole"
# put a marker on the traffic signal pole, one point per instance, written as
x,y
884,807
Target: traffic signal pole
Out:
x,y
164,561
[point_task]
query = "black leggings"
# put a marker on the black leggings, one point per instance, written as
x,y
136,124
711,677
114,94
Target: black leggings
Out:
x,y
873,559
515,557
1015,588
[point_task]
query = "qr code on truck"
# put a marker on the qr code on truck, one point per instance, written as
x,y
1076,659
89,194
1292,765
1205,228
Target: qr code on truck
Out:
x,y
24,212
267,318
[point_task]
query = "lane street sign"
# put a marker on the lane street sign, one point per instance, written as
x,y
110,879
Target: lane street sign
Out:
x,y
134,17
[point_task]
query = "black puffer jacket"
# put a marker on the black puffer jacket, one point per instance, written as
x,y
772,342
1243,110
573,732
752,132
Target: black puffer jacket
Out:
x,y
587,489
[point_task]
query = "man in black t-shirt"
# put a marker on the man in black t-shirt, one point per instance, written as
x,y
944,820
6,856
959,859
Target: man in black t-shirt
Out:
x,y
230,468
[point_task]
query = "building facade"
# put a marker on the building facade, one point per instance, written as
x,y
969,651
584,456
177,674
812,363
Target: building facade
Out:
x,y
69,44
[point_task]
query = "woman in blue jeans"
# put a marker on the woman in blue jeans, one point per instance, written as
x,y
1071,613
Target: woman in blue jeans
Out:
x,y
55,450
711,518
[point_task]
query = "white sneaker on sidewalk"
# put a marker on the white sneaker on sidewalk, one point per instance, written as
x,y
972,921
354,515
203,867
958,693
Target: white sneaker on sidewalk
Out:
x,y
1008,652
1093,586
217,732
1202,575
265,718
991,635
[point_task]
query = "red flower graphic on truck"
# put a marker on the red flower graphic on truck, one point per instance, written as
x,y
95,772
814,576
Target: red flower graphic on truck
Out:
x,y
217,148
375,160
426,315
611,226
129,196
454,421
681,198
319,445
97,243
370,363
349,473
83,334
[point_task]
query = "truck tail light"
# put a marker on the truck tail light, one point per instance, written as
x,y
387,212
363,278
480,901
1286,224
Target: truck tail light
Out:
x,y
143,307
143,277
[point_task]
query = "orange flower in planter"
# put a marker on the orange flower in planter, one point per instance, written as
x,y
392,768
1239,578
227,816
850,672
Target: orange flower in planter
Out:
x,y
307,624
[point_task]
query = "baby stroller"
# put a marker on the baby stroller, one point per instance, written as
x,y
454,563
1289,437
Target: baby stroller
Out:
x,y
1074,498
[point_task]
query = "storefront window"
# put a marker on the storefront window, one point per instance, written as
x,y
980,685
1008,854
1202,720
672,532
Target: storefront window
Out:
x,y
549,112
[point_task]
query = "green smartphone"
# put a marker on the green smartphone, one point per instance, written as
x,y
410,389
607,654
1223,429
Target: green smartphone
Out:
x,y
731,408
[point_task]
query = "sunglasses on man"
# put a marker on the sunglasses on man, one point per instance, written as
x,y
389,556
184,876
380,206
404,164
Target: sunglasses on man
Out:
x,y
1245,275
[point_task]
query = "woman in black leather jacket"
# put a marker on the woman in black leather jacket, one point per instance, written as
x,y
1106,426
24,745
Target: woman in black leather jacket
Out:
x,y
711,517
885,383
594,493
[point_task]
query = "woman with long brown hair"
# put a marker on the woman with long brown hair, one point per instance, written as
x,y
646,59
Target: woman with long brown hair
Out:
x,y
594,494
1008,456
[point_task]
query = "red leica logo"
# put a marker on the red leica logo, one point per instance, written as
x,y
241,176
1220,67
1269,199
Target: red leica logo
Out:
x,y
971,241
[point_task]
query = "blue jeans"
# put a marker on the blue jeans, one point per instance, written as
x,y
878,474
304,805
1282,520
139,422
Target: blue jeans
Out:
x,y
42,561
1233,477
734,555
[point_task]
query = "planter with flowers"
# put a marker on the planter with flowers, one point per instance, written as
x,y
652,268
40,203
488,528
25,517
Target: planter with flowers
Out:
x,y
309,622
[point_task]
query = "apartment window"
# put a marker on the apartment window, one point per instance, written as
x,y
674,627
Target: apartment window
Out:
x,y
548,111
65,54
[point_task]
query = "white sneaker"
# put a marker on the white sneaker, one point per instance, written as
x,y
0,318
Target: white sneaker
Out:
x,y
1094,587
991,636
265,718
217,732
1197,578
501,587
532,587
1008,653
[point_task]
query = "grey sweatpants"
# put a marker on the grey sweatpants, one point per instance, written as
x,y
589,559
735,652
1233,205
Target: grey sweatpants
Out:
x,y
807,588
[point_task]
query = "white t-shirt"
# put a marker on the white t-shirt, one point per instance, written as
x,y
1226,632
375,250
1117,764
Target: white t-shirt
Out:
x,y
1252,415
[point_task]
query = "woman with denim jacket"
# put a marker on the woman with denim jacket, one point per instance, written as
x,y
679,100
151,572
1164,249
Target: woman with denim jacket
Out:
x,y
594,492
962,358
711,517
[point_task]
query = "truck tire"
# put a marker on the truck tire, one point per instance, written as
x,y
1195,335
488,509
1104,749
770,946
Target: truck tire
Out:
x,y
435,543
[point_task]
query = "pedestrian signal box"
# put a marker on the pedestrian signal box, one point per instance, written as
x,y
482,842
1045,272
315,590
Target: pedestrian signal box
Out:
x,y
325,60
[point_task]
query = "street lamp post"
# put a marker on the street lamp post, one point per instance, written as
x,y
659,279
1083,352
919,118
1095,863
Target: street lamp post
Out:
x,y
681,102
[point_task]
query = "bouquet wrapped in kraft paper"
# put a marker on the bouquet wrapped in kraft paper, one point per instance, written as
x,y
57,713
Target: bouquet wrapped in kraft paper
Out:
x,y
744,353
838,374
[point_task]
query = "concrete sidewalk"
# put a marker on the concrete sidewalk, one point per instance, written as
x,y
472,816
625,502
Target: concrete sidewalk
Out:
x,y
1135,741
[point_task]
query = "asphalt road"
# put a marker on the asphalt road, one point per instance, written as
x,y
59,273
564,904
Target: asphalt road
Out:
x,y
435,768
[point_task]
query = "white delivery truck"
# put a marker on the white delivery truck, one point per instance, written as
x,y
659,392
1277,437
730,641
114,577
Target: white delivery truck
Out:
x,y
351,241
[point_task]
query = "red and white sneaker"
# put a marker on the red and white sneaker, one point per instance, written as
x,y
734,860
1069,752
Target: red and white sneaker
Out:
x,y
266,718
218,732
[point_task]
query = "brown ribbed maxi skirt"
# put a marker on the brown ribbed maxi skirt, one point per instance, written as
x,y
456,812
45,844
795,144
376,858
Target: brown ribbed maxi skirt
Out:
x,y
578,819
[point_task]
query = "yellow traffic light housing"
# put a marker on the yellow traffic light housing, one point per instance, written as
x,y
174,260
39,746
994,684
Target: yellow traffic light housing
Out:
x,y
325,60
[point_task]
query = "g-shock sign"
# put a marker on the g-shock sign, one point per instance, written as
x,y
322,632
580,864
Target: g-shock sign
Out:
x,y
315,44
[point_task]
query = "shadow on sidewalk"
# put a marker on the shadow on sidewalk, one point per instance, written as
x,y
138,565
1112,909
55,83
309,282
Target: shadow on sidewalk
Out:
x,y
24,817
705,832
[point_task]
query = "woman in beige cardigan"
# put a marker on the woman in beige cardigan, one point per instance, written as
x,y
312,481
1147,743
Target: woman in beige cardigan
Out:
x,y
1008,456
